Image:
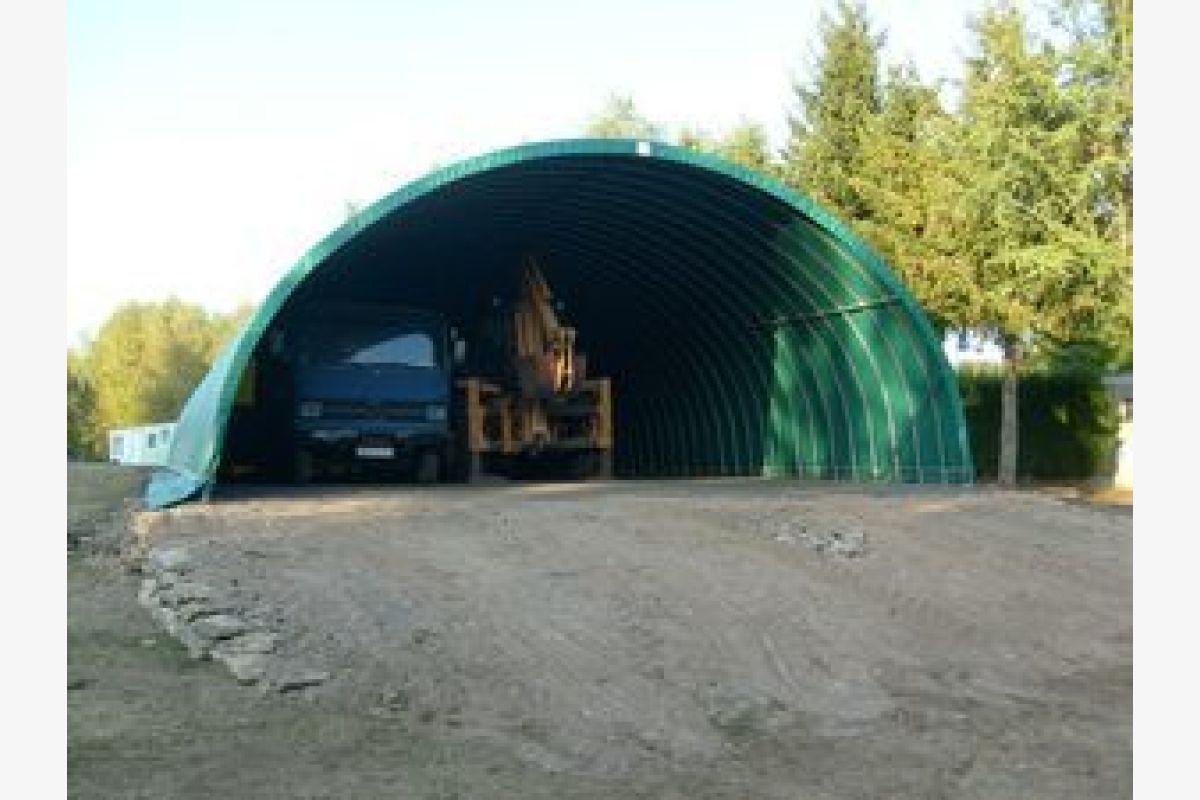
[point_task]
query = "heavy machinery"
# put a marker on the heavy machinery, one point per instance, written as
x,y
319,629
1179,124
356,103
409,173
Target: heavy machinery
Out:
x,y
531,406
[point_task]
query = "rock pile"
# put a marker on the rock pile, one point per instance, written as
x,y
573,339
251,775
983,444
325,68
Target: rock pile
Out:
x,y
212,627
848,543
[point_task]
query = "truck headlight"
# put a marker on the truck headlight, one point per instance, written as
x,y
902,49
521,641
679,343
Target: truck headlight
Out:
x,y
310,408
435,412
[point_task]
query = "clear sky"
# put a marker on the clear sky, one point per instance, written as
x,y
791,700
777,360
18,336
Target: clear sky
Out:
x,y
211,143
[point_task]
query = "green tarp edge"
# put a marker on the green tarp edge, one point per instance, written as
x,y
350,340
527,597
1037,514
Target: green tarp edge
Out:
x,y
196,449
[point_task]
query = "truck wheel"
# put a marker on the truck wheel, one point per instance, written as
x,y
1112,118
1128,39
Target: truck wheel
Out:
x,y
429,467
303,466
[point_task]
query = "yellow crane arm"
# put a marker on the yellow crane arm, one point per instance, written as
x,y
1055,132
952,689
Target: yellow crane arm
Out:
x,y
539,332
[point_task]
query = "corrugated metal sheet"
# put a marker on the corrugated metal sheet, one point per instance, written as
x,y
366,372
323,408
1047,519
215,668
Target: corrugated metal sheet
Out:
x,y
746,329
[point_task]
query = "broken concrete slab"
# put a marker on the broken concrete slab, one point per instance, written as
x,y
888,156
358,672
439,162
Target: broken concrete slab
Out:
x,y
300,679
246,668
850,544
194,610
256,642
197,646
846,543
166,579
220,626
169,559
167,618
148,592
185,592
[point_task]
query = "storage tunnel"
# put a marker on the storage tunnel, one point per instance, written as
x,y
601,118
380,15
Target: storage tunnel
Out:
x,y
746,330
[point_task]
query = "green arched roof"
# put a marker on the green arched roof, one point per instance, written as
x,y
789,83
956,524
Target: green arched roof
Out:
x,y
746,330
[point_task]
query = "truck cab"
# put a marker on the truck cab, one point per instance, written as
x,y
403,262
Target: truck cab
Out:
x,y
371,391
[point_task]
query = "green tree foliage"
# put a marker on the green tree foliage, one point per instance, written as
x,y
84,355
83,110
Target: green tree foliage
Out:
x,y
1068,424
81,408
1098,70
1012,214
1024,240
1046,155
909,187
141,367
745,144
880,152
1044,218
620,119
826,154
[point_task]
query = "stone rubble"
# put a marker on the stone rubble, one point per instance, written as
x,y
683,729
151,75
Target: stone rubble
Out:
x,y
300,679
184,592
213,627
246,668
847,544
249,643
169,559
192,611
220,626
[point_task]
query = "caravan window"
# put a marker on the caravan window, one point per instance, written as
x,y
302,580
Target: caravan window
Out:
x,y
150,440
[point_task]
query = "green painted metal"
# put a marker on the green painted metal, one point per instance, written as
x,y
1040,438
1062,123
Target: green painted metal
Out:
x,y
748,332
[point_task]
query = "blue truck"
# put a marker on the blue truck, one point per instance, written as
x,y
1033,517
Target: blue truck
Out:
x,y
372,391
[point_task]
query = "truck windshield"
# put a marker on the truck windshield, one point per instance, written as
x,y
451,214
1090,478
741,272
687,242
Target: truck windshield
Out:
x,y
370,346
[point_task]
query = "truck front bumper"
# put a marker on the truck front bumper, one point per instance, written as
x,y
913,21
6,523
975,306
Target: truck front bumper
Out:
x,y
372,443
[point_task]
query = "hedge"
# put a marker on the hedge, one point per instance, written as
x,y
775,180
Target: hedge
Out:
x,y
1068,425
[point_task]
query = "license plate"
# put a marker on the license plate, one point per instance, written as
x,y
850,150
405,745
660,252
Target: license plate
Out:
x,y
375,452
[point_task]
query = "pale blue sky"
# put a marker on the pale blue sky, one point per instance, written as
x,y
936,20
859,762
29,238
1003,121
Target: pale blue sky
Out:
x,y
211,143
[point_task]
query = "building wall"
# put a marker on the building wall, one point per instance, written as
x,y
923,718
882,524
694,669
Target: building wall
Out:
x,y
971,347
1120,386
1123,476
144,445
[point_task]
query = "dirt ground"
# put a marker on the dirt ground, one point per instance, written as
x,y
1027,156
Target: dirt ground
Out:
x,y
701,639
99,498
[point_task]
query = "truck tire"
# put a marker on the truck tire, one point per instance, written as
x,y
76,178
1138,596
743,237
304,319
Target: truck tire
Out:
x,y
429,467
